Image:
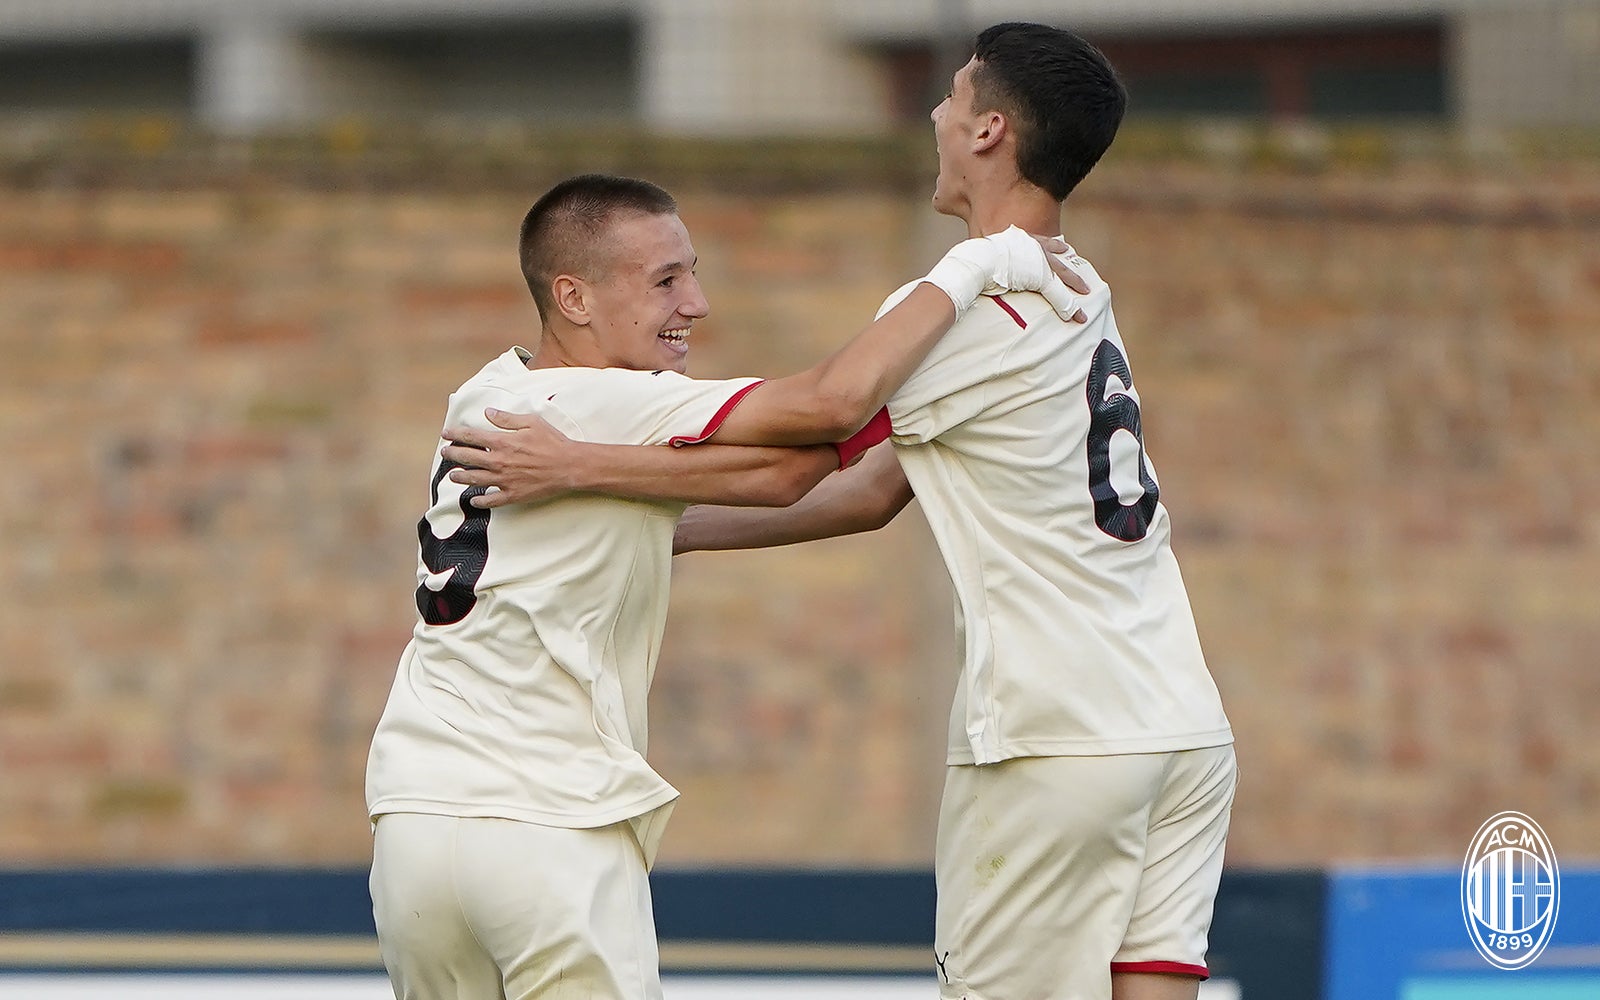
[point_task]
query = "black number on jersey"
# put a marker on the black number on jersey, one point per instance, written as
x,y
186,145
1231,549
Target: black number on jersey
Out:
x,y
466,551
1107,415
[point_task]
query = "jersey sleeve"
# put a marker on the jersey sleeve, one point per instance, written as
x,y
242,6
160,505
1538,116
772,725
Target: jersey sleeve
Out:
x,y
630,407
951,384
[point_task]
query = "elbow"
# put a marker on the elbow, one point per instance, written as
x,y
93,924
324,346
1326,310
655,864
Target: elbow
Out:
x,y
886,506
773,488
840,407
886,494
836,416
789,482
786,494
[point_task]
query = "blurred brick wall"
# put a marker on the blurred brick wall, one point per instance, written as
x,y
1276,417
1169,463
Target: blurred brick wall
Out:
x,y
1372,393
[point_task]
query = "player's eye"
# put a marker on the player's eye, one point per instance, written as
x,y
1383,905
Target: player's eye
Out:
x,y
667,282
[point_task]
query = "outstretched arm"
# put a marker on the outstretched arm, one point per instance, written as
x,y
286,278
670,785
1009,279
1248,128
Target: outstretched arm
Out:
x,y
836,397
864,497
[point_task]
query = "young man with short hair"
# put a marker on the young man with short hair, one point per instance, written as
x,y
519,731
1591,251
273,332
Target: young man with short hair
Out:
x,y
514,813
1091,771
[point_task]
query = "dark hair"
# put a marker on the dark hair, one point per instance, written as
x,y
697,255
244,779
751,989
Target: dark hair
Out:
x,y
565,229
1057,91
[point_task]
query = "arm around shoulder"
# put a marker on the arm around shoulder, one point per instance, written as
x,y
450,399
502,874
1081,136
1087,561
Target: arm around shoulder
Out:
x,y
527,460
833,399
707,473
836,397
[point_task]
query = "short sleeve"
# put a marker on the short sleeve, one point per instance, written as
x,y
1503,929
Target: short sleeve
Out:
x,y
620,406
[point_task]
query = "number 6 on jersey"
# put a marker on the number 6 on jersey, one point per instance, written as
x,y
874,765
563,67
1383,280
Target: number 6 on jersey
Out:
x,y
1108,414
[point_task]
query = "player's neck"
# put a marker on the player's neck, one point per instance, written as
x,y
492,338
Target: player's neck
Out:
x,y
1020,204
559,351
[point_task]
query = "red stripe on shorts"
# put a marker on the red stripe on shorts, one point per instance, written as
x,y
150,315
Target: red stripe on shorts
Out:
x,y
1174,968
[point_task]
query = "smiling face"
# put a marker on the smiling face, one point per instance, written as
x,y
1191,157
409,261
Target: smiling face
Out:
x,y
642,300
957,131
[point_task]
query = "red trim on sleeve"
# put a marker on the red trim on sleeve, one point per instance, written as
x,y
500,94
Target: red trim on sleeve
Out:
x,y
876,432
715,421
1003,304
1174,968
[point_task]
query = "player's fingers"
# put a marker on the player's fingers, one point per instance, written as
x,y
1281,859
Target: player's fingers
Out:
x,y
1050,244
511,421
1068,276
472,458
490,500
472,477
1055,249
1065,304
469,437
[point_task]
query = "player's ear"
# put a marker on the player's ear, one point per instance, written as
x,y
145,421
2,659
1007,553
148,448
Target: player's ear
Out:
x,y
991,130
573,299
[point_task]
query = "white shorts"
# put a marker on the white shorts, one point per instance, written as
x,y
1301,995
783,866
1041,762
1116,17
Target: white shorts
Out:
x,y
496,908
1054,872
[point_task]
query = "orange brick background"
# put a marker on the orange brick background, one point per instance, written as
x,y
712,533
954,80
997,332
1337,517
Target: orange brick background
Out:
x,y
1372,390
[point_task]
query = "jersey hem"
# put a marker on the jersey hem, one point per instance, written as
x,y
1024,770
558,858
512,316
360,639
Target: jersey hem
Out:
x,y
1088,747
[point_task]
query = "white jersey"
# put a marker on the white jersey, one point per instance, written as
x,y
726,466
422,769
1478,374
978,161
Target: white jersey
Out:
x,y
522,692
1020,436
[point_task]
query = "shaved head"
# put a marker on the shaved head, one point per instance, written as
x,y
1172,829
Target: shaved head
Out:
x,y
565,230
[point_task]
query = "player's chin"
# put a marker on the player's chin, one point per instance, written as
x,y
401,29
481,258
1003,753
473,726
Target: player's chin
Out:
x,y
673,357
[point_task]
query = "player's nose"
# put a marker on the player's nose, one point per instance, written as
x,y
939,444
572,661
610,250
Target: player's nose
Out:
x,y
695,305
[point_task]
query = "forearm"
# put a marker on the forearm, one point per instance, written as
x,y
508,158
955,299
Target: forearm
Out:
x,y
863,498
835,398
701,474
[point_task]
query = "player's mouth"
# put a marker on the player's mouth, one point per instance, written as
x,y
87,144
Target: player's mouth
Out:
x,y
676,340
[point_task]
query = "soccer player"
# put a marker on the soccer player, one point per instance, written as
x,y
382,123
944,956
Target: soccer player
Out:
x,y
514,814
1091,768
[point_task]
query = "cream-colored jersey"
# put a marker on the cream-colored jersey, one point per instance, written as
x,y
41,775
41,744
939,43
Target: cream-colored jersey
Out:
x,y
522,692
1020,436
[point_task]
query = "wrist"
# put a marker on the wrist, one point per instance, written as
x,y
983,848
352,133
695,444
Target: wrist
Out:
x,y
963,272
579,472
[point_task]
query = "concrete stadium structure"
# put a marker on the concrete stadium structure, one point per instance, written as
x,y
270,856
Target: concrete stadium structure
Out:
x,y
742,66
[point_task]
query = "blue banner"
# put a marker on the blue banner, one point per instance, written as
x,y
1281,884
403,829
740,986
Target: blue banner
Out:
x,y
1400,935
